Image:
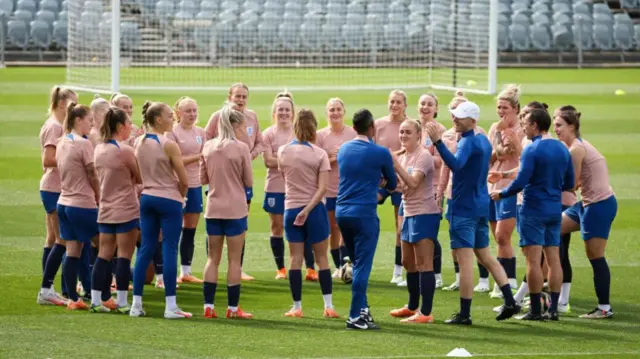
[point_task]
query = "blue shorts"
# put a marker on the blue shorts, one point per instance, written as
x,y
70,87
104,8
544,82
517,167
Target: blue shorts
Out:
x,y
49,200
539,231
226,227
469,232
417,228
331,203
194,200
447,213
396,197
248,191
78,224
401,209
273,203
314,230
114,228
518,207
502,209
595,219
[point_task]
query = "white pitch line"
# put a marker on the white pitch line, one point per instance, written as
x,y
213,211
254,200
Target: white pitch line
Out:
x,y
571,354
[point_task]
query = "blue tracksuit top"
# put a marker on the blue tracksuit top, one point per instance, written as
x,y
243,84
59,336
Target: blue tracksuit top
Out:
x,y
545,171
470,168
361,165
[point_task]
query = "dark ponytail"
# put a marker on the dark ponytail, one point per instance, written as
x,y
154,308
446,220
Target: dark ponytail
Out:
x,y
151,111
74,111
113,117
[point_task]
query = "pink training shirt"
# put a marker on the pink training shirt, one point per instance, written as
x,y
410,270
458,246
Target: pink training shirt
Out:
x,y
94,137
437,159
450,139
158,177
226,168
50,133
301,164
273,138
191,142
419,200
594,176
331,141
118,197
73,155
388,134
505,162
253,139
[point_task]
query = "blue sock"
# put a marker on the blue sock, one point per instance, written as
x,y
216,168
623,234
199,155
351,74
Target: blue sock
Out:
x,y
398,260
84,272
535,304
71,276
335,255
295,283
484,273
555,297
45,255
413,287
98,273
209,291
324,276
157,259
233,295
456,267
63,283
277,248
437,258
427,291
601,279
504,263
52,265
106,282
93,256
507,294
511,267
187,244
344,252
308,256
465,307
242,254
123,273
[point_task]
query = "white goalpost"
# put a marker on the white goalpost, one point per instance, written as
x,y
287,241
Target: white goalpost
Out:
x,y
303,45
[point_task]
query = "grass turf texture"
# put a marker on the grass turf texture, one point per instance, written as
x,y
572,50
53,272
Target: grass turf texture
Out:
x,y
31,331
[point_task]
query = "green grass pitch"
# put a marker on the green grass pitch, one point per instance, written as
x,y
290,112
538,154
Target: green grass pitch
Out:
x,y
27,330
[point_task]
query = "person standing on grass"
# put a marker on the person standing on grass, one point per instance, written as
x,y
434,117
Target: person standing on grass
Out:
x,y
362,165
190,138
118,214
545,171
470,208
330,139
54,247
165,185
305,169
238,96
594,215
225,166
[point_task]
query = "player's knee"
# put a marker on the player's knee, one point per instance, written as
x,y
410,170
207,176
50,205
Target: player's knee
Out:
x,y
409,264
503,239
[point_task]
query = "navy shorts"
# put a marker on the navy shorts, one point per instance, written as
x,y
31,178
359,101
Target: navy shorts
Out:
x,y
401,209
518,207
539,231
193,203
331,203
396,197
273,203
78,224
49,200
447,213
502,209
115,228
248,191
469,232
595,219
314,230
226,227
417,228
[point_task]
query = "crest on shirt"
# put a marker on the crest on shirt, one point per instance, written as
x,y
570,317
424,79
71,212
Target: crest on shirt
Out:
x,y
410,170
250,130
428,142
271,201
199,140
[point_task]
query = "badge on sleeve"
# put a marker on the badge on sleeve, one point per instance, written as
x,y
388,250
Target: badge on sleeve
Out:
x,y
250,130
428,142
199,140
410,170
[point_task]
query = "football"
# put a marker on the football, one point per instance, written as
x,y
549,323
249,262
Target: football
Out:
x,y
346,273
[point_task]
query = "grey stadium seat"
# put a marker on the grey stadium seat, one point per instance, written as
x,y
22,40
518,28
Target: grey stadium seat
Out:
x,y
540,18
46,16
229,5
332,36
50,5
248,35
290,35
622,37
188,6
41,33
274,6
90,17
209,6
519,35
165,9
64,5
253,5
601,8
518,18
294,7
336,8
394,36
629,4
355,19
310,35
583,35
60,33
63,15
6,6
18,33
24,16
636,35
603,37
355,8
561,7
93,6
206,15
226,34
562,18
623,19
540,8
292,17
503,37
540,37
28,5
581,8
562,37
268,33
354,36
314,7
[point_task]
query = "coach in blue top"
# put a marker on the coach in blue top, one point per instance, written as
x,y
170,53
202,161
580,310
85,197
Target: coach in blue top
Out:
x,y
545,171
362,164
469,229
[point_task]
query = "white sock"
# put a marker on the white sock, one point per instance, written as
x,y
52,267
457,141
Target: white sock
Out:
x,y
233,309
482,281
457,277
397,270
439,276
604,307
186,270
96,297
121,298
564,293
328,302
522,291
137,301
208,306
297,305
159,277
45,291
170,303
513,283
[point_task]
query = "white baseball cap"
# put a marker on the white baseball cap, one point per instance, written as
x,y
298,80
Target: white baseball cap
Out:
x,y
467,109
